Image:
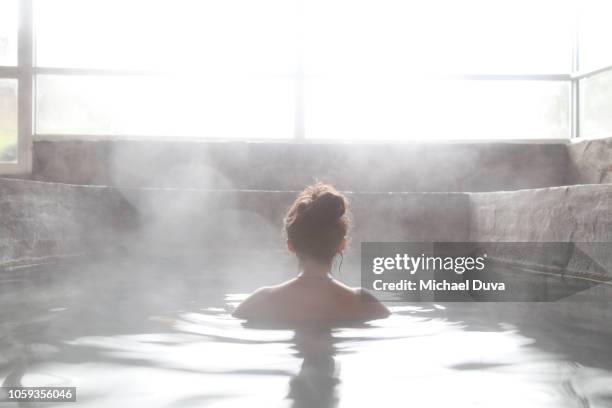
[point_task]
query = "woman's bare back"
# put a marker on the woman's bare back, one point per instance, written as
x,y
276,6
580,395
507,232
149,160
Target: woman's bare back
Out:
x,y
311,299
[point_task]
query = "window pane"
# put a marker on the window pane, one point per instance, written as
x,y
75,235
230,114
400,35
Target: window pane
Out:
x,y
396,109
596,105
8,120
203,35
8,32
165,106
595,34
438,36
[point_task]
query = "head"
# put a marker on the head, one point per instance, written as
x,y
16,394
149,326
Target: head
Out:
x,y
317,224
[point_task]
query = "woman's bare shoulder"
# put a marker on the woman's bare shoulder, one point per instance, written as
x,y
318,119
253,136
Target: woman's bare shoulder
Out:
x,y
371,306
252,305
289,301
364,304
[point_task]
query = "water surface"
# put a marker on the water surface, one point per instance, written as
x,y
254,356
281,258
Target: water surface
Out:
x,y
137,335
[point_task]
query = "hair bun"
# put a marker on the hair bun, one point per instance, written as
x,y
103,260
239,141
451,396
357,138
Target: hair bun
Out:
x,y
328,207
317,222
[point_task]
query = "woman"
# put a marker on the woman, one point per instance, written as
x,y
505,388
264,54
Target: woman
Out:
x,y
316,226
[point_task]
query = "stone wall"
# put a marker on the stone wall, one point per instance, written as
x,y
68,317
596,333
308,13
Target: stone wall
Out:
x,y
415,167
581,215
45,220
175,208
48,219
590,162
560,214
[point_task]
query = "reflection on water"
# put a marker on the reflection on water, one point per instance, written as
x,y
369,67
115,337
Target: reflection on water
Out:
x,y
315,384
175,345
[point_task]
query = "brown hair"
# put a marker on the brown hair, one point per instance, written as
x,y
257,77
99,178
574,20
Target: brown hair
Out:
x,y
317,222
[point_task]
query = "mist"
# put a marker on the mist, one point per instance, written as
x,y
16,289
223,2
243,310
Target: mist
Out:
x,y
150,150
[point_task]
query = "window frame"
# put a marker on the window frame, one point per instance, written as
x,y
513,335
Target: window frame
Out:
x,y
576,76
24,74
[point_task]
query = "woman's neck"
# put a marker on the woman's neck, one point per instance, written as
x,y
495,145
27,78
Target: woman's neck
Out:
x,y
313,269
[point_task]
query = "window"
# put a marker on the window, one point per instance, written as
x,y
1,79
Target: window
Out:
x,y
209,37
376,70
8,32
317,69
213,69
9,86
8,121
595,34
595,78
424,37
395,109
189,106
596,105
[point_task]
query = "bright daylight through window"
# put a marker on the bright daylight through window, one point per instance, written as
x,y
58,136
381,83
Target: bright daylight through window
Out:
x,y
384,70
317,69
8,86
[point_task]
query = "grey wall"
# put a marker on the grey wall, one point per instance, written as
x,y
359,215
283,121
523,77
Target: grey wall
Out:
x,y
48,219
290,166
41,220
590,162
578,214
561,214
